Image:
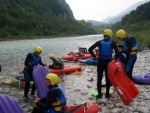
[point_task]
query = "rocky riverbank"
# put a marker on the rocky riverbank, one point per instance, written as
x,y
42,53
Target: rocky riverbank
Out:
x,y
78,87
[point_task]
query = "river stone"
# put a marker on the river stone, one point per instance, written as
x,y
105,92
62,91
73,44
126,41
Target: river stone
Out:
x,y
148,105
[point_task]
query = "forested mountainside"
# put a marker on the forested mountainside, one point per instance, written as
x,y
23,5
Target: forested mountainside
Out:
x,y
30,18
117,18
137,24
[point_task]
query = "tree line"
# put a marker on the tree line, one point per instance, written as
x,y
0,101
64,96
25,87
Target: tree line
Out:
x,y
31,18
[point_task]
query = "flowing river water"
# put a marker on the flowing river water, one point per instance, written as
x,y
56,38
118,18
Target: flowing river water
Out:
x,y
13,53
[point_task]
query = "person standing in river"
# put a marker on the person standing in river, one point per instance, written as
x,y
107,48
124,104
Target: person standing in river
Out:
x,y
130,48
31,62
105,47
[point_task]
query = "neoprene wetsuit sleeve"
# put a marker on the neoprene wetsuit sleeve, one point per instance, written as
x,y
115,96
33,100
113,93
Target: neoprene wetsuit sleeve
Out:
x,y
114,45
28,59
97,44
40,62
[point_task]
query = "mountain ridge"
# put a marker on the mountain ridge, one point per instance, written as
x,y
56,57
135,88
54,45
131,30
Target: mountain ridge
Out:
x,y
117,18
19,18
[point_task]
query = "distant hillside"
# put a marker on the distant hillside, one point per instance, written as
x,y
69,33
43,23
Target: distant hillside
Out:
x,y
19,18
118,17
100,25
95,23
137,23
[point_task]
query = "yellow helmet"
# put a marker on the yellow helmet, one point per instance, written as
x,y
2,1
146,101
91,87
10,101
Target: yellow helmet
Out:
x,y
52,56
79,47
38,49
108,32
121,33
53,78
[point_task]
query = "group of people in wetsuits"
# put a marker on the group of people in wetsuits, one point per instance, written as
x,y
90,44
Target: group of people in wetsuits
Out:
x,y
54,101
127,53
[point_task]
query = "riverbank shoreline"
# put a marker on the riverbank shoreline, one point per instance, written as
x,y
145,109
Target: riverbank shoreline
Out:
x,y
78,90
41,37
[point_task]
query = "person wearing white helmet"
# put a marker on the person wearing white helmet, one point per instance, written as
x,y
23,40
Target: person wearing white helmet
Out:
x,y
130,48
31,62
57,63
54,101
106,47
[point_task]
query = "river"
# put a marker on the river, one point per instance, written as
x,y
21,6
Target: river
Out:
x,y
13,53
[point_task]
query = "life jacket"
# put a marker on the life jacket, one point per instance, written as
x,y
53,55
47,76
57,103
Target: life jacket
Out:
x,y
58,64
105,52
35,61
28,70
60,103
134,46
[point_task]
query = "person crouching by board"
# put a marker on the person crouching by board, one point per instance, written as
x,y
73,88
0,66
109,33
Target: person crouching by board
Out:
x,y
105,47
57,63
55,100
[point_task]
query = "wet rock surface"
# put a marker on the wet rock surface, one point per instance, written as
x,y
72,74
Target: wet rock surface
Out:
x,y
78,87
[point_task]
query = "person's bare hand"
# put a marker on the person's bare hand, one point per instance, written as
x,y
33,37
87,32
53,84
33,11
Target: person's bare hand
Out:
x,y
34,67
36,100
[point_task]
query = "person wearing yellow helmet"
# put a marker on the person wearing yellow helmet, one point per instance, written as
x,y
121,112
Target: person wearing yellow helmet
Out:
x,y
31,62
55,100
82,51
105,48
38,49
108,33
130,48
57,63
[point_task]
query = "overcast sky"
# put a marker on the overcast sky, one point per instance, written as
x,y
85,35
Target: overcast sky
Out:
x,y
98,9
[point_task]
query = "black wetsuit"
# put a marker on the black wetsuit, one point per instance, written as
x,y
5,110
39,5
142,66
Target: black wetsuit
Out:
x,y
28,73
102,65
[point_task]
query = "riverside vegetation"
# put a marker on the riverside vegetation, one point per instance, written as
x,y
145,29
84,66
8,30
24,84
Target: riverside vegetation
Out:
x,y
35,18
137,24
